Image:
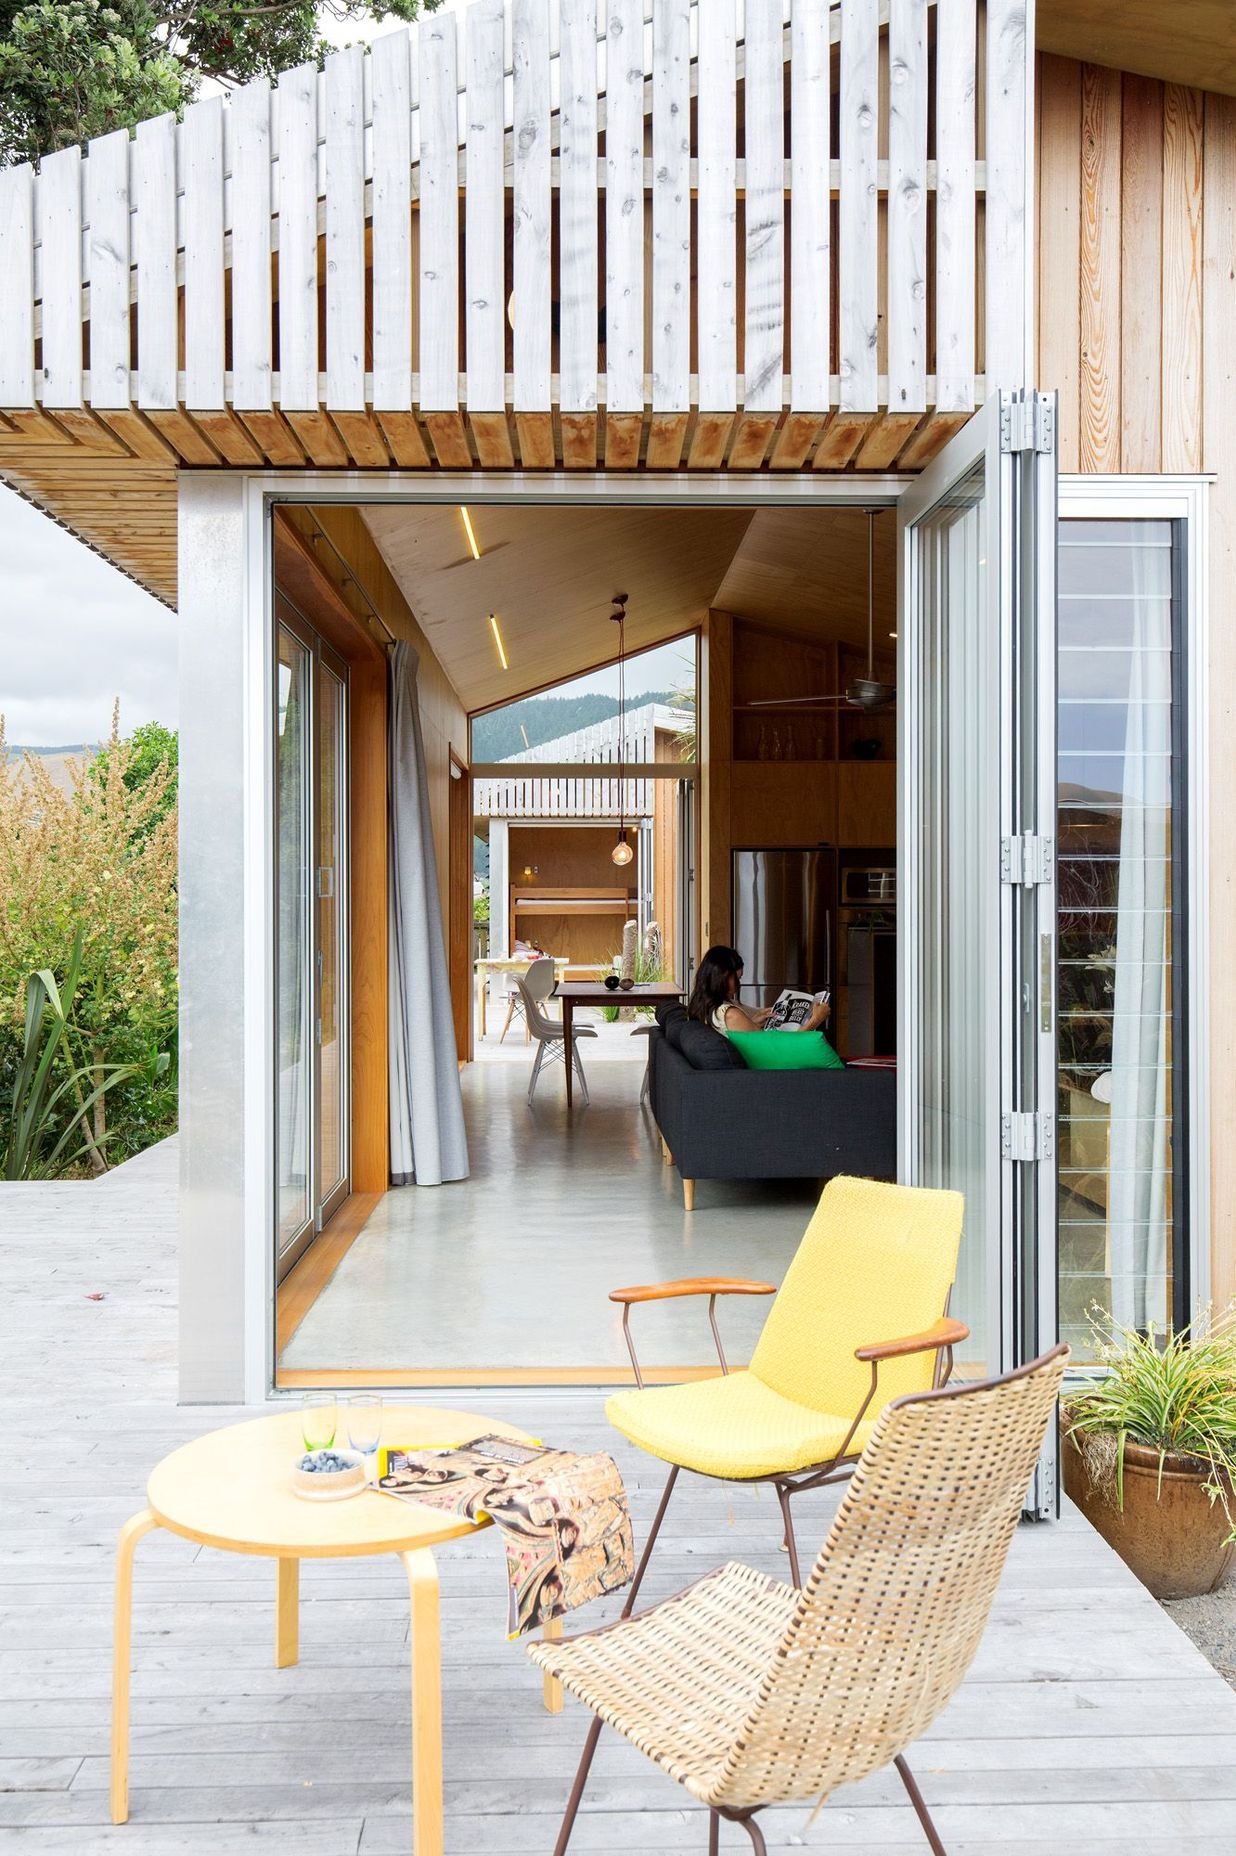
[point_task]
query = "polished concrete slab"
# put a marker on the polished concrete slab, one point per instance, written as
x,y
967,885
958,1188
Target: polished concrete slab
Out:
x,y
512,1267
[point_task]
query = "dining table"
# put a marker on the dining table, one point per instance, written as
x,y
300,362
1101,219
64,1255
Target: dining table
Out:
x,y
595,992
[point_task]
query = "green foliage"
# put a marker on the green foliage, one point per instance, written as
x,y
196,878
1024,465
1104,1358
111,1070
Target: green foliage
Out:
x,y
70,69
48,1100
151,753
480,910
497,735
1174,1393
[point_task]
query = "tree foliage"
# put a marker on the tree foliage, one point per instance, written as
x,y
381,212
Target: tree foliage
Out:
x,y
70,69
96,861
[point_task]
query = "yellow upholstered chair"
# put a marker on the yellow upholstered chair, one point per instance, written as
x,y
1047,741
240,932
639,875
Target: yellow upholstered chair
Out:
x,y
861,1318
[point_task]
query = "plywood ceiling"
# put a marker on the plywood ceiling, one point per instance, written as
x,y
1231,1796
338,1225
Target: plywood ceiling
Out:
x,y
549,572
1184,41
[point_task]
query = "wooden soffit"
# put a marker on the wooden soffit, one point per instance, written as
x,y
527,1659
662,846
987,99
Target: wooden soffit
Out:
x,y
1183,41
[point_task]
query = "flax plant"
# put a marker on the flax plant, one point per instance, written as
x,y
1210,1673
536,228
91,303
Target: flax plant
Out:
x,y
95,857
1173,1392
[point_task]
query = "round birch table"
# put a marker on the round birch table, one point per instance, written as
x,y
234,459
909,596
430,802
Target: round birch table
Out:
x,y
232,1489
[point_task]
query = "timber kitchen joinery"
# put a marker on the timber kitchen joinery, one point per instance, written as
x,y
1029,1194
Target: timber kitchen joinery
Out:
x,y
687,287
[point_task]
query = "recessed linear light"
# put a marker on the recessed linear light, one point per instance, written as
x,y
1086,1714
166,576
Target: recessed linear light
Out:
x,y
493,626
469,532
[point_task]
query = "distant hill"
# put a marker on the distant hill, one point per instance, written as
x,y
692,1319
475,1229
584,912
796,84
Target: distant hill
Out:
x,y
56,760
497,735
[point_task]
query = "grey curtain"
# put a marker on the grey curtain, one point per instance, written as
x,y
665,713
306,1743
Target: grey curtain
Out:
x,y
428,1142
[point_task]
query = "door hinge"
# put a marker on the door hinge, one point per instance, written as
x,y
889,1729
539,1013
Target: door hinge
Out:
x,y
1026,859
1028,423
1026,1135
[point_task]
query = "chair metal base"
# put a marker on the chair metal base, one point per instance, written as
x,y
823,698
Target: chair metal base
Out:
x,y
554,1047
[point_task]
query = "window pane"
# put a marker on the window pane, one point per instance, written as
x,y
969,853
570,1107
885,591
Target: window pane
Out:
x,y
294,978
1117,839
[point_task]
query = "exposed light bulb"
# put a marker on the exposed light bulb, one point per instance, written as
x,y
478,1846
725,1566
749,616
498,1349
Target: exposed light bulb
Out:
x,y
622,852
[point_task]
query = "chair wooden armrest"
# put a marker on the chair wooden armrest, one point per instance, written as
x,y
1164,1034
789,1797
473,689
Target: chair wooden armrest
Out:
x,y
945,1333
711,1286
692,1285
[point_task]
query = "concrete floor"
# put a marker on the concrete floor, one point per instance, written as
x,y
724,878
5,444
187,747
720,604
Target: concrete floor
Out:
x,y
511,1268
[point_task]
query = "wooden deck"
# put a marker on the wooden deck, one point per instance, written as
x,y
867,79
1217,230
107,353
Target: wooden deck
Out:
x,y
1089,1726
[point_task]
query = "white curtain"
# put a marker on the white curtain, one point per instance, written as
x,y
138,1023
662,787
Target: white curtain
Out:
x,y
428,1141
1139,1155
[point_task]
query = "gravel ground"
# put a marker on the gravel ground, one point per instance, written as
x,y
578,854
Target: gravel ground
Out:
x,y
1211,1623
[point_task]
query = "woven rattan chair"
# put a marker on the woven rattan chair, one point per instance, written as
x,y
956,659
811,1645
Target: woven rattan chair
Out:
x,y
751,1693
861,1318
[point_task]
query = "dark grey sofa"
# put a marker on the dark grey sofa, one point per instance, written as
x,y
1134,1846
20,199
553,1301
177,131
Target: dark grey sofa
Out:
x,y
772,1124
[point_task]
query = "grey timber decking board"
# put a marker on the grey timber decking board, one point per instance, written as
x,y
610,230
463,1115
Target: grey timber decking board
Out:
x,y
1089,1725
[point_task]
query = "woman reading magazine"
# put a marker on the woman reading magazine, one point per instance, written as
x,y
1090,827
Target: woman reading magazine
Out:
x,y
714,1000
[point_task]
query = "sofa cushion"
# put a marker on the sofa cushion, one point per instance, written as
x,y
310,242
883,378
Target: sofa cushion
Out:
x,y
704,1048
786,1050
669,1013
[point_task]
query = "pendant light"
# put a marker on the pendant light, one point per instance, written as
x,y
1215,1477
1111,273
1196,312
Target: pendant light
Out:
x,y
622,852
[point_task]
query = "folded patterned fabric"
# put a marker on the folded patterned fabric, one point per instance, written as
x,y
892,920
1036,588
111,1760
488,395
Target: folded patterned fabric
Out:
x,y
563,1516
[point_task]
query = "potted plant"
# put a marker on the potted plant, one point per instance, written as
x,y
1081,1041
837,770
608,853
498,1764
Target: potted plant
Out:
x,y
1149,1452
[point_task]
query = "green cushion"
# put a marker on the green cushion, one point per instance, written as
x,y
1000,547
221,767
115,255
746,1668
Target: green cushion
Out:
x,y
786,1050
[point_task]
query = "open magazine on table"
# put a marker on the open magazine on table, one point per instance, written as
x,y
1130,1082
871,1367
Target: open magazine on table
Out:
x,y
791,1009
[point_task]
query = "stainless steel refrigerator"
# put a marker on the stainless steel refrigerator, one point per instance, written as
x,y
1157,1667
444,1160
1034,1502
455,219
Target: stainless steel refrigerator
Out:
x,y
784,908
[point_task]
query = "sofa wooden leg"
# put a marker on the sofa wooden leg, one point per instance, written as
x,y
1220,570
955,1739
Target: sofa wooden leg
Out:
x,y
688,1194
667,1157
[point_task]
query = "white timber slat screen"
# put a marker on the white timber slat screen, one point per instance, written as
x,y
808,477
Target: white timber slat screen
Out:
x,y
577,206
810,205
955,53
907,206
532,202
671,207
107,213
205,327
250,155
764,118
717,207
60,229
154,188
624,206
858,305
425,215
345,231
17,285
392,221
298,239
1008,360
485,234
439,216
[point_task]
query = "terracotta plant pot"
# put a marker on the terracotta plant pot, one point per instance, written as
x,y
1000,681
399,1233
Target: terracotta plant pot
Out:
x,y
1172,1536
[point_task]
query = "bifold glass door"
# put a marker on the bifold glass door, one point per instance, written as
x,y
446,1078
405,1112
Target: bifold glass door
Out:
x,y
311,989
977,746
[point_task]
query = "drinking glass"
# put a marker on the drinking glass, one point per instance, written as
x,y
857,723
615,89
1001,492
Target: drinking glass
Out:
x,y
364,1415
318,1420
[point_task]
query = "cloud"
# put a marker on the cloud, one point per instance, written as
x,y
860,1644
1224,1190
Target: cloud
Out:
x,y
74,635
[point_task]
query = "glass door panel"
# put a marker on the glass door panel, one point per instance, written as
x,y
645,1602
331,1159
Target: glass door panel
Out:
x,y
294,1197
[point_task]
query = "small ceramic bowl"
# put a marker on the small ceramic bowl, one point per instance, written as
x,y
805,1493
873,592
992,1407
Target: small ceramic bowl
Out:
x,y
323,1473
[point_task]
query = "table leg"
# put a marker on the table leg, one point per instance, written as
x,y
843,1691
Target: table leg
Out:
x,y
426,1703
122,1658
567,1052
287,1614
551,1688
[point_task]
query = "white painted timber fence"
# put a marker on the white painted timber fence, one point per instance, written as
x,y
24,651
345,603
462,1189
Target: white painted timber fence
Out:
x,y
652,733
527,231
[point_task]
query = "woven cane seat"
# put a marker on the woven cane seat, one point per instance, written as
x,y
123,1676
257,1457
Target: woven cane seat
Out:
x,y
680,1680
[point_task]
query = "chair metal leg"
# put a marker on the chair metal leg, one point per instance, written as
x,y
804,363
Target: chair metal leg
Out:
x,y
646,1555
916,1799
577,1789
536,1071
755,1833
714,1834
791,1546
643,1094
579,1068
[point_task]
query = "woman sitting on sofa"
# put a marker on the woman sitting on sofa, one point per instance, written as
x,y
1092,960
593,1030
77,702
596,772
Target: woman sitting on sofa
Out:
x,y
714,998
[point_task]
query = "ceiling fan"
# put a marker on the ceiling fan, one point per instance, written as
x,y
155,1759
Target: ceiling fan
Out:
x,y
868,693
